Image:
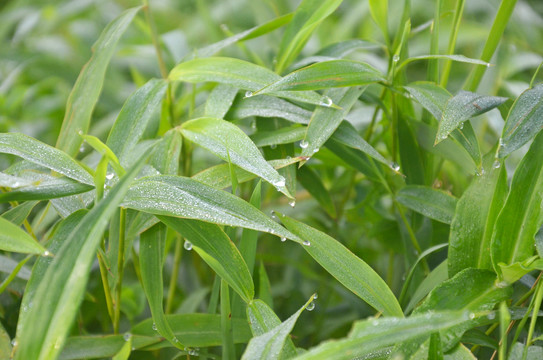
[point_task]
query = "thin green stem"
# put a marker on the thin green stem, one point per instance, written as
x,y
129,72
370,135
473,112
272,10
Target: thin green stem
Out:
x,y
175,271
537,305
105,284
120,270
154,39
14,273
458,12
228,349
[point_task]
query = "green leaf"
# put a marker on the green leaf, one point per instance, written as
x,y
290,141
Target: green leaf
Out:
x,y
218,251
513,272
437,276
432,203
49,189
101,346
379,13
474,219
462,107
269,107
184,197
326,120
152,243
284,135
134,117
369,336
228,141
347,135
522,215
11,181
431,96
237,73
14,239
166,156
313,184
88,86
61,290
197,330
308,15
42,154
18,214
5,343
270,344
325,75
346,267
106,152
262,319
125,350
219,100
458,58
523,121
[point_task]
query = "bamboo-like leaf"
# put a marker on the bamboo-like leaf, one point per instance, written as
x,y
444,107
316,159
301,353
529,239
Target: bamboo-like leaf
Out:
x,y
101,346
270,344
313,184
134,118
166,156
326,120
308,15
13,182
107,154
14,239
61,290
270,107
325,75
152,243
18,214
237,73
49,189
197,330
474,219
462,107
284,135
431,96
346,267
372,335
522,215
230,143
523,122
432,203
42,154
88,86
379,13
218,251
219,101
184,197
458,58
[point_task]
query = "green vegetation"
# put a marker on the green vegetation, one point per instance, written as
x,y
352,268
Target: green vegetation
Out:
x,y
314,179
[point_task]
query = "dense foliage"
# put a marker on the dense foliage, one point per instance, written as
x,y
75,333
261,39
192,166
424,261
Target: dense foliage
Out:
x,y
314,179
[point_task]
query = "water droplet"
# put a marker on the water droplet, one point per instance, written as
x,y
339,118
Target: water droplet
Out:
x,y
501,142
80,132
273,146
306,243
127,336
315,297
110,176
461,126
175,340
326,101
395,166
187,245
316,150
487,65
154,326
311,306
292,203
46,253
25,308
496,164
14,343
491,316
253,124
396,58
304,144
193,352
273,214
471,316
443,137
82,148
375,322
280,183
248,94
283,239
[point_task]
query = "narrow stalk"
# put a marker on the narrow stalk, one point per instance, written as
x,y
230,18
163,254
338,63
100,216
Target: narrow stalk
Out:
x,y
136,263
433,64
105,284
458,12
175,272
494,37
154,39
14,273
537,305
228,349
120,270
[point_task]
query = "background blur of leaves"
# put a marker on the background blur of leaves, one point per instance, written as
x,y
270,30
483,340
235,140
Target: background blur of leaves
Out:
x,y
44,44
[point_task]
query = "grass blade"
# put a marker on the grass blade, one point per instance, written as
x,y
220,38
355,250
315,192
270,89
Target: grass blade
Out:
x,y
522,215
18,214
269,107
42,154
220,100
523,121
88,86
61,290
432,203
230,143
14,239
49,189
218,251
346,267
183,197
431,96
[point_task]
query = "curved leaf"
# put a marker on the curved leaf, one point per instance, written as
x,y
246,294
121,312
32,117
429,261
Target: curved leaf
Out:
x,y
270,107
432,203
14,239
49,189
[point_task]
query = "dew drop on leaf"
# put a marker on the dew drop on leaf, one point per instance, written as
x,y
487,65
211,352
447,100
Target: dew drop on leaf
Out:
x,y
280,183
292,203
154,326
187,245
326,101
110,176
283,239
496,164
304,144
395,166
306,243
311,306
248,94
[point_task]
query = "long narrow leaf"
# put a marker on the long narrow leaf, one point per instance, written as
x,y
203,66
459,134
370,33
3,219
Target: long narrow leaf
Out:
x,y
14,239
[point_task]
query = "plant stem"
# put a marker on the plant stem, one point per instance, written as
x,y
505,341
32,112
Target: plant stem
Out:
x,y
458,12
14,273
537,305
175,272
228,350
120,270
105,284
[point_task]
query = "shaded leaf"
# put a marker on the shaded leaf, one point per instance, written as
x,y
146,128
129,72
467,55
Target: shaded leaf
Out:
x,y
270,107
432,203
312,183
431,96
